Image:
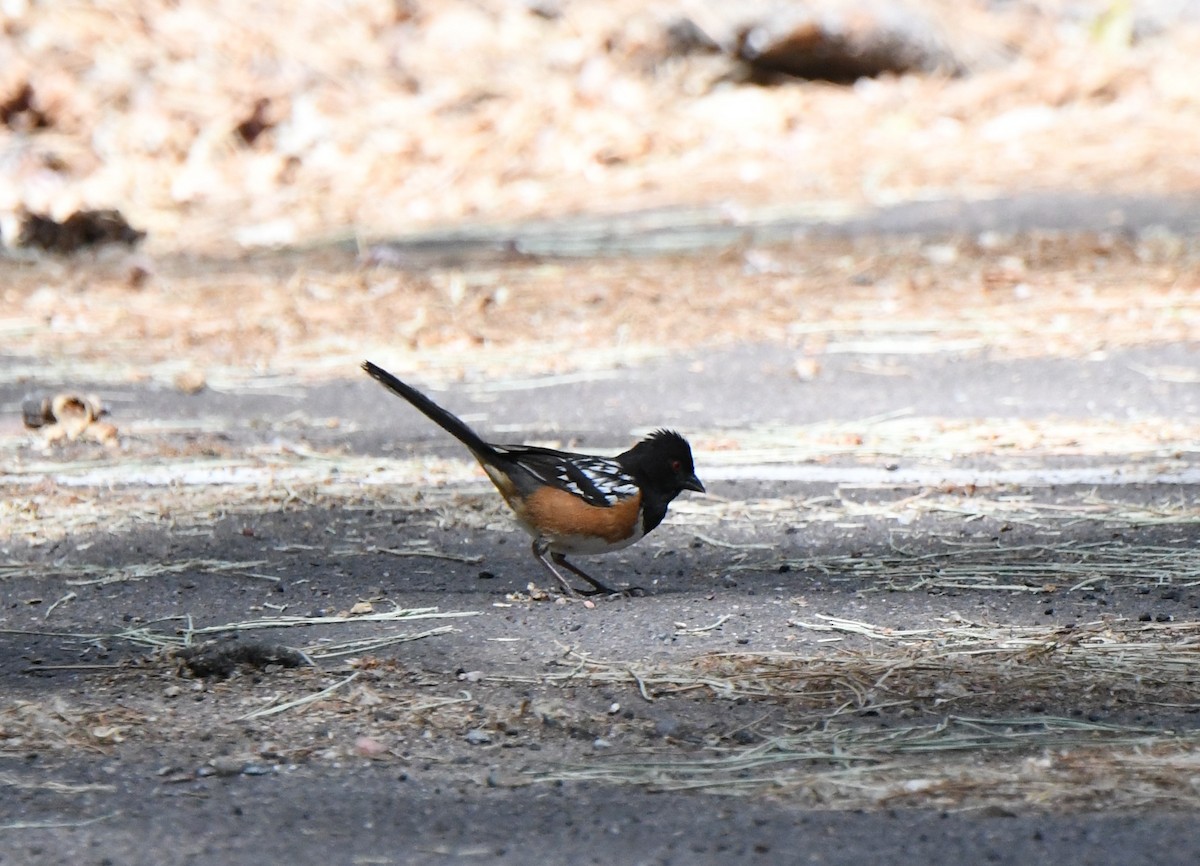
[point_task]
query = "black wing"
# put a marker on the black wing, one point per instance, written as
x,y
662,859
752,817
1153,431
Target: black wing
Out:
x,y
596,480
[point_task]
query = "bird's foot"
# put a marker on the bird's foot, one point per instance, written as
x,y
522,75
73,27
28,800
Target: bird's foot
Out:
x,y
610,592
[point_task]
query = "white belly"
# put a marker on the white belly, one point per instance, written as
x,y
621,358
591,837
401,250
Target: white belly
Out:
x,y
582,545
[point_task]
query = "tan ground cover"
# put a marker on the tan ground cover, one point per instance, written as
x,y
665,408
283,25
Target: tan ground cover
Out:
x,y
391,116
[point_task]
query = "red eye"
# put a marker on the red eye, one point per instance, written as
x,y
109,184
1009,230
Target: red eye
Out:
x,y
676,465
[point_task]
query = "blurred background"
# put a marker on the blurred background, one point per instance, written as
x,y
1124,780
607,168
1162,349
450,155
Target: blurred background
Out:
x,y
468,188
212,125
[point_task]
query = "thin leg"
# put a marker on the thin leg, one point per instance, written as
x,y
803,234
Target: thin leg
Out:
x,y
540,548
601,588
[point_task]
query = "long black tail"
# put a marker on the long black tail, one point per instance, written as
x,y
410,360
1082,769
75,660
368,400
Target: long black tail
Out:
x,y
452,425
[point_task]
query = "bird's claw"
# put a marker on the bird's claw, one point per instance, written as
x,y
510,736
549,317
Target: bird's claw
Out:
x,y
609,592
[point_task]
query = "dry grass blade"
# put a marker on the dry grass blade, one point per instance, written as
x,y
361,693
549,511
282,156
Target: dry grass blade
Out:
x,y
57,825
299,702
95,575
428,554
729,545
55,786
396,615
367,645
147,635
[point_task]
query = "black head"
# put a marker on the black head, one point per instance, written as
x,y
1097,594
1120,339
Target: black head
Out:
x,y
664,460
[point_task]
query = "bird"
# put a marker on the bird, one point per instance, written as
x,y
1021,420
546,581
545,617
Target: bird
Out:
x,y
577,504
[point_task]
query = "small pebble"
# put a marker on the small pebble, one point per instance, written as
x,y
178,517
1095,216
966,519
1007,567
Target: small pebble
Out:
x,y
369,747
227,765
666,727
478,737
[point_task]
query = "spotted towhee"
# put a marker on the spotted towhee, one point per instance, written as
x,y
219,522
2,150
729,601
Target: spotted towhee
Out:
x,y
574,503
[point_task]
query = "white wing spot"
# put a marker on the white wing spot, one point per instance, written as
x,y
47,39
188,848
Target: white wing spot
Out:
x,y
568,484
609,479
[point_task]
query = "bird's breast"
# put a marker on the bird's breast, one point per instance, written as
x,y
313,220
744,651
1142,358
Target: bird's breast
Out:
x,y
571,525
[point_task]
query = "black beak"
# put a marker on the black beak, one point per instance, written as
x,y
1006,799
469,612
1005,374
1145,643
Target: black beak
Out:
x,y
693,483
